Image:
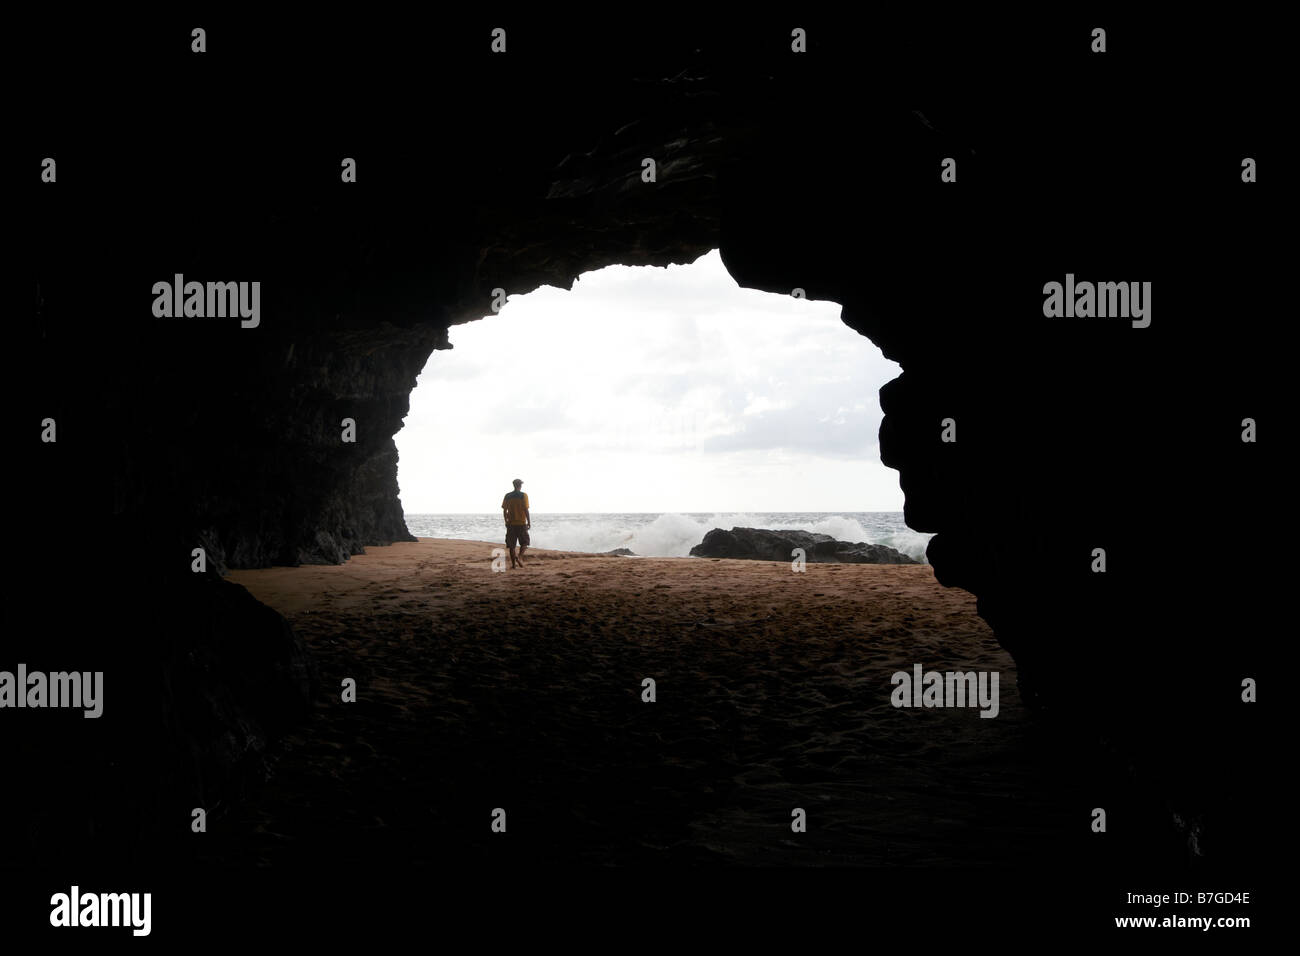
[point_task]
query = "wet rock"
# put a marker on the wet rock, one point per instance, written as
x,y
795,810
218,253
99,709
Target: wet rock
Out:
x,y
758,544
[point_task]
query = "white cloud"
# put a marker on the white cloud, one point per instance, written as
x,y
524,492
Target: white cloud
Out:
x,y
649,389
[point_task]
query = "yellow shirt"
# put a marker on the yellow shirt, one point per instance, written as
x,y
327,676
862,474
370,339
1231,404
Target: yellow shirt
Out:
x,y
515,504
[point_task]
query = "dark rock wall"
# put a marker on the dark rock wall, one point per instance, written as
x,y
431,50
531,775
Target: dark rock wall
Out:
x,y
816,172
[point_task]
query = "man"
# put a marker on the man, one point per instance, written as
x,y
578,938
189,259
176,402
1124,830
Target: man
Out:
x,y
514,507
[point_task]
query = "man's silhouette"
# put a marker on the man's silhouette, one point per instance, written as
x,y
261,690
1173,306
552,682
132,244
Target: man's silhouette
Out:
x,y
514,506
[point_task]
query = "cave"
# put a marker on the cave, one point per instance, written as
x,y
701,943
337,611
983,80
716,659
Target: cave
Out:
x,y
176,434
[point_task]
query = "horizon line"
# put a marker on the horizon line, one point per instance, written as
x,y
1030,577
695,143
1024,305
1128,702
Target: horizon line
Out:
x,y
715,511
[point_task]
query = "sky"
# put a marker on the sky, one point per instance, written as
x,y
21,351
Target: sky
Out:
x,y
650,389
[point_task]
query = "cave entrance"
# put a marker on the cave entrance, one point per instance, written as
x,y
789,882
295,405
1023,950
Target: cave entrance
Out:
x,y
647,406
656,708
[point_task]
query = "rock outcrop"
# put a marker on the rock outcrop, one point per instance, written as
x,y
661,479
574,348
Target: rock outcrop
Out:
x,y
758,544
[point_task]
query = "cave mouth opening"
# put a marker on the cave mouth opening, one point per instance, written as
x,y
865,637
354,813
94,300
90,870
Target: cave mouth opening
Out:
x,y
648,405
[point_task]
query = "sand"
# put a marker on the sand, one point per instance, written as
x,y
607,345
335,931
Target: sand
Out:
x,y
522,690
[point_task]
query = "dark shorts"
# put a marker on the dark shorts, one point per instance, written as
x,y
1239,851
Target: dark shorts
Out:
x,y
516,534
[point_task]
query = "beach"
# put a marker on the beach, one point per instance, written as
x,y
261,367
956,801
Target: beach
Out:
x,y
522,691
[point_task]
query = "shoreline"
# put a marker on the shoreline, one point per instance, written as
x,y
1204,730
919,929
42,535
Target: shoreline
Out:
x,y
561,552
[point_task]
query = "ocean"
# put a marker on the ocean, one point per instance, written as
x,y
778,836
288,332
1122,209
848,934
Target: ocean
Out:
x,y
671,535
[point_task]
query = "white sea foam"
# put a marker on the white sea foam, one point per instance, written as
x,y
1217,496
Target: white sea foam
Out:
x,y
670,535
